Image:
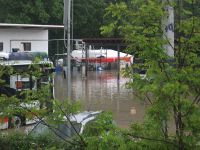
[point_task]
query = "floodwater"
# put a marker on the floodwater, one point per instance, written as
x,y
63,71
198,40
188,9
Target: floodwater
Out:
x,y
103,90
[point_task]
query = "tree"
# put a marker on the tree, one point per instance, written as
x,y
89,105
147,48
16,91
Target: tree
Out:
x,y
88,17
88,14
34,101
171,86
24,103
33,12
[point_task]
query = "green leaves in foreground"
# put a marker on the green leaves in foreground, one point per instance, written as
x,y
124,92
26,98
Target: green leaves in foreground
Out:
x,y
171,85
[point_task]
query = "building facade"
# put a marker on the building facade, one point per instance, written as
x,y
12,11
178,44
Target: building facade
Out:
x,y
25,37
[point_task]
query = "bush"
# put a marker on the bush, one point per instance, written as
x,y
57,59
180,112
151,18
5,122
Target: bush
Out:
x,y
18,141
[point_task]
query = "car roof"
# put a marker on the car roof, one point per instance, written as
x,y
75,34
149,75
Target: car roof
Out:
x,y
83,116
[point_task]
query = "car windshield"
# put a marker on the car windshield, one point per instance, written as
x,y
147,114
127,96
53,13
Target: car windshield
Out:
x,y
62,130
67,130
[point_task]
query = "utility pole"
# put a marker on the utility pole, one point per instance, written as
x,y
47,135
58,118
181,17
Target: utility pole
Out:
x,y
168,29
67,26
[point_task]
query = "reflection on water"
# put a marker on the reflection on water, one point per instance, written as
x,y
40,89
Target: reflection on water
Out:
x,y
103,91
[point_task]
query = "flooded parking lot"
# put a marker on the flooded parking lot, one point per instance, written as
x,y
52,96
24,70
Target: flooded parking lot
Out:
x,y
102,90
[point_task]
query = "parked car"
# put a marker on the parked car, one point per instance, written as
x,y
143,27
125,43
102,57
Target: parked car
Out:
x,y
64,129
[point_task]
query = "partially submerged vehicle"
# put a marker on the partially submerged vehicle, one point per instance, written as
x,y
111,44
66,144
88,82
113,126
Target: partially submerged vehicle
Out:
x,y
67,128
96,58
21,79
101,55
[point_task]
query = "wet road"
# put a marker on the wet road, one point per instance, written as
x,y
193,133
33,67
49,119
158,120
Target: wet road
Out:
x,y
103,91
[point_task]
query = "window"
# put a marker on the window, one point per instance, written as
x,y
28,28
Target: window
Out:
x,y
1,46
27,46
15,49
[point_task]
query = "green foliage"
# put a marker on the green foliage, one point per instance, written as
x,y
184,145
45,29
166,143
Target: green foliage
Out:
x,y
18,141
62,110
38,11
171,85
102,124
27,103
36,103
102,133
109,141
87,19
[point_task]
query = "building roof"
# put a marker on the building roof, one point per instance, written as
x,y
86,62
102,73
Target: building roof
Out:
x,y
8,25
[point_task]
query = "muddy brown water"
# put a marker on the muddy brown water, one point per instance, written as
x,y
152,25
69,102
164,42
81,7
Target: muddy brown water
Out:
x,y
103,90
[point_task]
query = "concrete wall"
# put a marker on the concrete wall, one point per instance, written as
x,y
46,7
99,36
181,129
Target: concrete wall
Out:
x,y
14,38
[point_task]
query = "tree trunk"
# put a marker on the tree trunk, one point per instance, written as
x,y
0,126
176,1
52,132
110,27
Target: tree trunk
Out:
x,y
180,128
